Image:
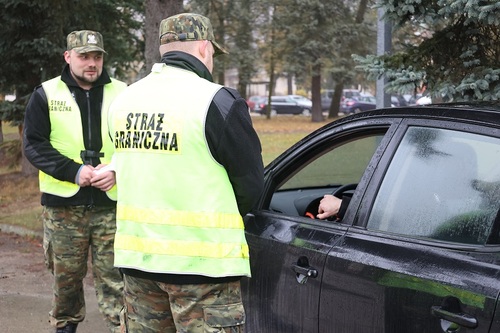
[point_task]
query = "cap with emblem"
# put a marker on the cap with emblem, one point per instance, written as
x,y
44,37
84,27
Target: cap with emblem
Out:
x,y
84,41
188,27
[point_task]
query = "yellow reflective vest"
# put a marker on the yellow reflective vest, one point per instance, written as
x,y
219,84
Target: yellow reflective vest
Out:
x,y
67,138
176,210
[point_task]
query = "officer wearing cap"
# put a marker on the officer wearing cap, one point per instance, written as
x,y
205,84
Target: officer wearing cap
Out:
x,y
188,164
65,137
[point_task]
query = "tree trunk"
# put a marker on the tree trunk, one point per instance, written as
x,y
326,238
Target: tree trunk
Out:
x,y
363,4
27,169
271,69
317,113
244,42
337,96
289,83
156,10
2,98
220,77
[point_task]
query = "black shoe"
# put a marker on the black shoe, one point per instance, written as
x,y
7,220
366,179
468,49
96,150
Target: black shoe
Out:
x,y
70,328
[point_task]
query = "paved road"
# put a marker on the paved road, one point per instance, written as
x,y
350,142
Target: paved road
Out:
x,y
25,289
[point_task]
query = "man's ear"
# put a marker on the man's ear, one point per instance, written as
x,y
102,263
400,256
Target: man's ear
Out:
x,y
203,48
67,56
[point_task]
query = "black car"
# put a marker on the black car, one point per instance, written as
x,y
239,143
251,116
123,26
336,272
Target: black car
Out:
x,y
327,95
355,105
418,249
286,105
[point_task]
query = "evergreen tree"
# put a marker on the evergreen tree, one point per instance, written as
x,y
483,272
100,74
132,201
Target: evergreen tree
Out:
x,y
458,56
33,40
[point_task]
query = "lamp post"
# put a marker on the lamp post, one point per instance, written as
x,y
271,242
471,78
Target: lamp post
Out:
x,y
384,36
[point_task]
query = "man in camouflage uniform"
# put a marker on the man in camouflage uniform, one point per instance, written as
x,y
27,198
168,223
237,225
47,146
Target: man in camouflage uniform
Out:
x,y
188,167
65,137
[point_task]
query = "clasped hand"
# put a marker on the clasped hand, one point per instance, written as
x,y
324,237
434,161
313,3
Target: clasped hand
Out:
x,y
98,177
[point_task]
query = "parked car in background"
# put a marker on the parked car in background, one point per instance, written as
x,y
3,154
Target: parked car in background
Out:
x,y
254,102
327,95
326,99
302,100
286,105
411,99
350,93
358,104
398,100
418,248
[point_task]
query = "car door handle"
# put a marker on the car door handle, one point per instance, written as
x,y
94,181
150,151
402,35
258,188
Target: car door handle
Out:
x,y
461,319
306,271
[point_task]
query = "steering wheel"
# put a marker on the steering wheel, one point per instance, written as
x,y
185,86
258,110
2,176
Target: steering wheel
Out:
x,y
312,208
339,192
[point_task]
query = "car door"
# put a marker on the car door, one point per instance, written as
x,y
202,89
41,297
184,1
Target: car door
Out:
x,y
285,105
423,254
278,104
292,106
287,250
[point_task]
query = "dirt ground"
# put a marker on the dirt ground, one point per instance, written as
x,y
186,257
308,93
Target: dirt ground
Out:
x,y
25,288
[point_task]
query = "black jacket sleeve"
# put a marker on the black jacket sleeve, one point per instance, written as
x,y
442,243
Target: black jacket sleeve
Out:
x,y
36,141
234,144
343,206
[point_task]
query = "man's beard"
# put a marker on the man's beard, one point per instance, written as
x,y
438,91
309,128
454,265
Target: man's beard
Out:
x,y
87,79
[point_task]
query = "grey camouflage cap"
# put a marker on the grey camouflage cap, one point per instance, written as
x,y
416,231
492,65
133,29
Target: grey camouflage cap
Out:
x,y
187,27
84,41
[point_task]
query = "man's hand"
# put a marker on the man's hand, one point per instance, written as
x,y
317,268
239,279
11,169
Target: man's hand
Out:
x,y
103,178
328,206
86,173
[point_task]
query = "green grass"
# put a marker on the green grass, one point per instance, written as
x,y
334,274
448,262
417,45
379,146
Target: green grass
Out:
x,y
273,145
279,133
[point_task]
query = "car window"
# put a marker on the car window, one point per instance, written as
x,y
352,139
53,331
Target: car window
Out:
x,y
343,165
441,184
256,99
314,176
351,93
328,94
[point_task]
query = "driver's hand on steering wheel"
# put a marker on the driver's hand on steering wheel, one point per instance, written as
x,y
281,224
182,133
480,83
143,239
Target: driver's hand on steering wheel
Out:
x,y
328,206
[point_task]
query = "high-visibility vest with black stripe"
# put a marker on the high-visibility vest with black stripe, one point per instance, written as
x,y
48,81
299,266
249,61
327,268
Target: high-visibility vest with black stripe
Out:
x,y
176,210
66,133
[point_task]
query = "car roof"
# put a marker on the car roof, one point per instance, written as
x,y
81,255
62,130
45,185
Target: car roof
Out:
x,y
480,112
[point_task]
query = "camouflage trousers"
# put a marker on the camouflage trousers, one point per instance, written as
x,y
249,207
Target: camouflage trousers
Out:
x,y
152,307
70,233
